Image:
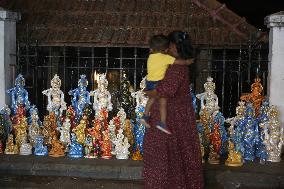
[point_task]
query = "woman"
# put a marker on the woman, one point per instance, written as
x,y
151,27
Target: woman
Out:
x,y
174,161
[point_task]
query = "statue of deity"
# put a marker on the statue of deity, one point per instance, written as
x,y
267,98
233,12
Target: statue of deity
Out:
x,y
209,99
57,148
40,149
6,122
255,97
102,97
21,131
139,96
89,148
19,95
65,132
79,130
11,148
118,143
25,148
234,158
125,97
106,145
34,128
81,97
274,136
55,97
75,149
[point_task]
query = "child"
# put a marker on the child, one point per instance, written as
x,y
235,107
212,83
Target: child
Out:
x,y
157,64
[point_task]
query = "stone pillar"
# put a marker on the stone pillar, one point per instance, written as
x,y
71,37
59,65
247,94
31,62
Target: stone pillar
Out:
x,y
276,61
7,51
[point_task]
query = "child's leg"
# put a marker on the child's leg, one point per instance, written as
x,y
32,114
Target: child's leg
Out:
x,y
148,106
163,109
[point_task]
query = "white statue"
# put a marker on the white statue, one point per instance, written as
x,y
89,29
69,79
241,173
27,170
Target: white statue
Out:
x,y
121,146
65,132
25,148
112,137
55,96
141,98
209,99
122,117
274,136
102,97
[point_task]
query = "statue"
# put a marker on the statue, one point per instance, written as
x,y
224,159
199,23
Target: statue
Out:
x,y
128,131
21,131
19,95
121,146
125,97
79,130
255,97
81,97
55,96
139,96
102,97
274,136
65,132
89,148
75,149
25,148
6,122
234,158
11,148
40,149
57,148
106,145
209,99
34,128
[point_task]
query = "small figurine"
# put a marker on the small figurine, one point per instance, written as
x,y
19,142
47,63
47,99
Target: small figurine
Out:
x,y
89,148
34,128
81,97
234,158
11,148
75,149
5,113
57,148
55,96
102,97
40,149
106,145
255,97
125,96
25,148
19,94
65,132
21,131
79,130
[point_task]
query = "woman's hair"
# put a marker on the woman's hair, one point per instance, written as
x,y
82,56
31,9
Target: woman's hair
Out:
x,y
183,44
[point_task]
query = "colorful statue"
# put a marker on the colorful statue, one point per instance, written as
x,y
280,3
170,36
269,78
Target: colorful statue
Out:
x,y
139,96
75,149
89,148
125,97
219,120
255,97
34,128
102,97
79,130
21,131
234,158
274,136
209,99
106,145
19,95
139,132
57,148
250,134
65,132
40,149
81,97
128,131
6,121
11,148
55,96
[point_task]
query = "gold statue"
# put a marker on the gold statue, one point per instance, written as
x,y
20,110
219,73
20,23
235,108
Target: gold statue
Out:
x,y
79,130
57,148
234,158
21,131
10,147
128,132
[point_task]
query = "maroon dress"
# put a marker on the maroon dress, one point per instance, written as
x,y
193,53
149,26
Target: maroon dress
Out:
x,y
173,161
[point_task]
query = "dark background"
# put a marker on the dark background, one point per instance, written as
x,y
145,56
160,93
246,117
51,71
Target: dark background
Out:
x,y
255,10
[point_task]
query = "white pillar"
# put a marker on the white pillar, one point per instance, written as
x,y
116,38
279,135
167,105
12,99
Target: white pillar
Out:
x,y
276,61
7,51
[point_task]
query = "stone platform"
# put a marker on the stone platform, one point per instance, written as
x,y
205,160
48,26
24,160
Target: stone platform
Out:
x,y
250,176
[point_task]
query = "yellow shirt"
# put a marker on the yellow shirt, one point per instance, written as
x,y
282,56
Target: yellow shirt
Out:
x,y
157,65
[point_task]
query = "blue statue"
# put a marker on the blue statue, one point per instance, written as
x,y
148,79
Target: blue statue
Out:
x,y
251,136
75,149
193,97
19,95
139,130
34,116
81,97
40,149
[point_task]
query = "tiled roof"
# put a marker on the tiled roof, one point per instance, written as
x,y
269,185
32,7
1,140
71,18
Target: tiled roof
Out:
x,y
128,22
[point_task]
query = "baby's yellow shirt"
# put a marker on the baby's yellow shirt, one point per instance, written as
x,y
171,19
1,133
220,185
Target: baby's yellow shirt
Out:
x,y
157,65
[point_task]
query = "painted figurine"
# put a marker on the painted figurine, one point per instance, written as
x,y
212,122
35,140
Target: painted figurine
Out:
x,y
79,130
11,148
55,97
75,149
25,148
81,97
65,132
57,148
34,128
39,148
19,95
106,145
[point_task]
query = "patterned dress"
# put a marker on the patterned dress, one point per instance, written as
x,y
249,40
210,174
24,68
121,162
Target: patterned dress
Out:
x,y
173,161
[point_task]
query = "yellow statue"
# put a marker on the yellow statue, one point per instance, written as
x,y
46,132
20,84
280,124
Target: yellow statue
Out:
x,y
137,154
10,147
21,131
79,130
234,158
128,131
57,148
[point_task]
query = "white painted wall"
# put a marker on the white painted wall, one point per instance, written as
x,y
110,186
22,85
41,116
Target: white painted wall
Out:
x,y
276,61
7,52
